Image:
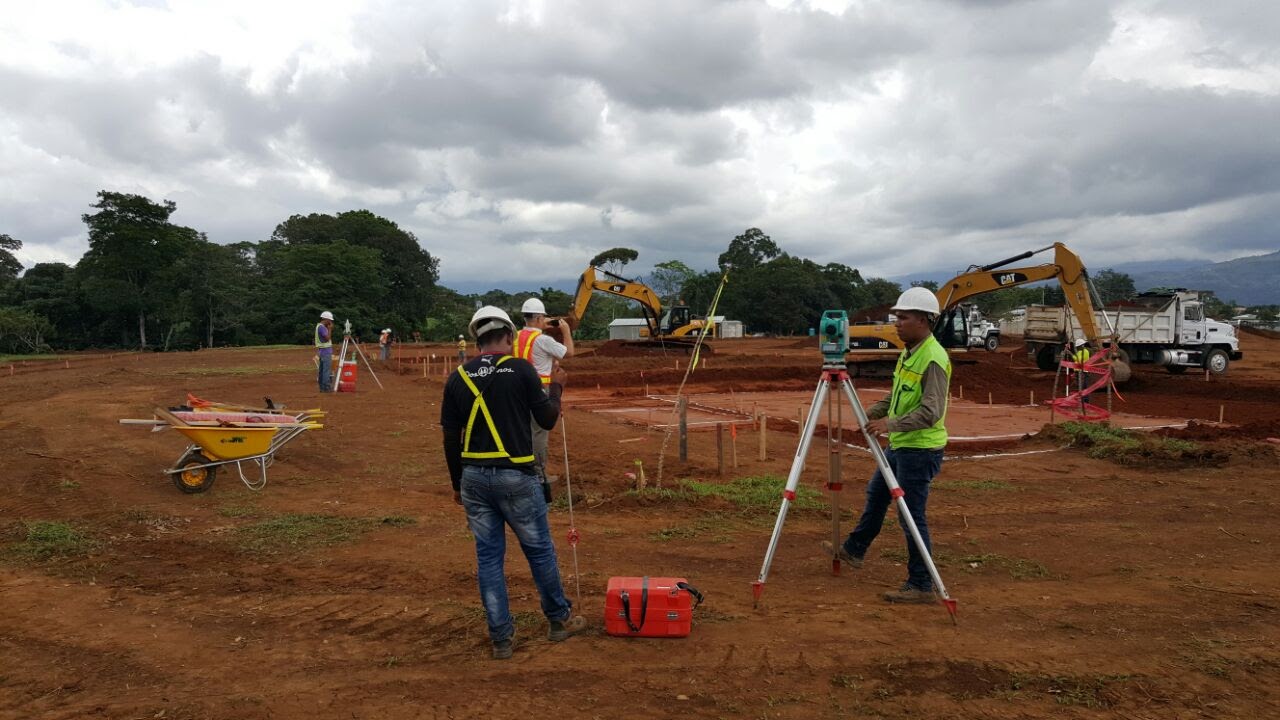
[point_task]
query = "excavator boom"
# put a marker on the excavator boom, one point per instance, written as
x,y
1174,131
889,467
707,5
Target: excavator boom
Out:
x,y
676,328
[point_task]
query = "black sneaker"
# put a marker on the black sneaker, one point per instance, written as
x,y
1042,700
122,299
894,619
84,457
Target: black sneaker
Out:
x,y
502,649
842,554
910,595
562,630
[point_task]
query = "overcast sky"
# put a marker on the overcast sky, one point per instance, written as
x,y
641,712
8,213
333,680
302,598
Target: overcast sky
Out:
x,y
517,138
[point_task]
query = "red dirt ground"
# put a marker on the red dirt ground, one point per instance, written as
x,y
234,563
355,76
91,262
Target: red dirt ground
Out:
x,y
1087,589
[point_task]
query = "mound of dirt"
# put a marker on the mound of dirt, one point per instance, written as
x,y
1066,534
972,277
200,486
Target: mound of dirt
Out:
x,y
1260,430
1271,334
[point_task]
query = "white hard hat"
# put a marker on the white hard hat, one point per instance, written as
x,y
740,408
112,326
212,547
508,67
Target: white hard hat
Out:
x,y
919,299
533,306
386,330
326,315
461,337
1081,342
490,318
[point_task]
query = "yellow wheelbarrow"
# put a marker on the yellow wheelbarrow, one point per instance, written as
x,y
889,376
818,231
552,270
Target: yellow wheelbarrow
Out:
x,y
225,438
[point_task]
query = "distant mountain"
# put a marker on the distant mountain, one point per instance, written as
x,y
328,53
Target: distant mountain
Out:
x,y
1251,280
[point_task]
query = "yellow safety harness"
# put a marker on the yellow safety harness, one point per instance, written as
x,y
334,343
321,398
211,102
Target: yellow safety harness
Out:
x,y
479,407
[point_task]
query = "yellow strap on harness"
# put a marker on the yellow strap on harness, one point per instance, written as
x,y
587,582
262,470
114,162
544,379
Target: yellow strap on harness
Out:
x,y
479,407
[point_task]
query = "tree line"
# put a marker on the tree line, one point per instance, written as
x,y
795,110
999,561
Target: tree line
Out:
x,y
146,282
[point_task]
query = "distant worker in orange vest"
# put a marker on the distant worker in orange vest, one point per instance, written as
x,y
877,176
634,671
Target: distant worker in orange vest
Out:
x,y
533,344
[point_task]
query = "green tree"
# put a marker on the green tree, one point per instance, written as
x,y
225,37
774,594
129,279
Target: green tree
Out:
x,y
748,250
407,272
131,245
930,285
9,265
23,331
1113,286
614,259
311,278
669,278
51,290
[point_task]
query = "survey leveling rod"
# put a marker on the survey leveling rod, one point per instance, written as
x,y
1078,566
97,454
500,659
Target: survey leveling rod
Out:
x,y
834,371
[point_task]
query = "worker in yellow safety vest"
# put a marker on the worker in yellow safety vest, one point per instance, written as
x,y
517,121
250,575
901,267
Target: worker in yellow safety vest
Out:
x,y
1080,356
913,415
533,344
488,447
323,340
462,349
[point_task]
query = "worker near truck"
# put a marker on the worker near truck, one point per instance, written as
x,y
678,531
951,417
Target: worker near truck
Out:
x,y
323,340
535,345
914,416
489,451
1080,355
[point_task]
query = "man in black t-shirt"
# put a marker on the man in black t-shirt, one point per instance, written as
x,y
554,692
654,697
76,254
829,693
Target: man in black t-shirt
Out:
x,y
488,446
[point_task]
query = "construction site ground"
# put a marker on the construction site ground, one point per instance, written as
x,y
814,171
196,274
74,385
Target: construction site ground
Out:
x,y
1087,587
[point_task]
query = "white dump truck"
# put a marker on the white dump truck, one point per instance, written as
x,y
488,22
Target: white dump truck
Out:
x,y
1166,328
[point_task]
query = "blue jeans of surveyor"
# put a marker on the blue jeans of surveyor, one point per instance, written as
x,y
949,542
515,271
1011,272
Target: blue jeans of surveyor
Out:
x,y
495,498
914,469
326,370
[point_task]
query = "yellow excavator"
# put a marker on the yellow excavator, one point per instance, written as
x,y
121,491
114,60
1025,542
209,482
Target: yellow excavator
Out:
x,y
675,328
872,346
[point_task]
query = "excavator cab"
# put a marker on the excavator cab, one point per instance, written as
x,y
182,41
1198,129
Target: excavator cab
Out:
x,y
952,328
676,317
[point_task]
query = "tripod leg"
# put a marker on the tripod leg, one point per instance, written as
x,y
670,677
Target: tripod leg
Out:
x,y
895,491
369,365
342,355
793,480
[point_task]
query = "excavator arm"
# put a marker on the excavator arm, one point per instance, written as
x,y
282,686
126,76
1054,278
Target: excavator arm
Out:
x,y
1066,267
589,282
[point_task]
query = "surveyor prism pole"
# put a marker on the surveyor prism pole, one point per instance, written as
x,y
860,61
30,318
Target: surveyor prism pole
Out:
x,y
342,355
833,373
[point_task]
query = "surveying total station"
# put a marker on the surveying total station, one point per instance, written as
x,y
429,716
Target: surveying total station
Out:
x,y
834,341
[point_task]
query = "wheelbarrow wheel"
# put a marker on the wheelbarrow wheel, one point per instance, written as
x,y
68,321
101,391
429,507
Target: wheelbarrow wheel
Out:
x,y
195,476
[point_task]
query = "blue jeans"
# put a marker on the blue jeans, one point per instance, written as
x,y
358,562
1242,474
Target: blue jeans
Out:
x,y
915,469
493,498
326,371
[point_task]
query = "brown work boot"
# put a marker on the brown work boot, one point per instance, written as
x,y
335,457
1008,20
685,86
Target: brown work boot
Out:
x,y
502,649
910,595
842,554
562,630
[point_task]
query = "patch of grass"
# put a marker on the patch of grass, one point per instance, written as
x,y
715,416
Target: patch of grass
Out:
x,y
298,532
46,540
1127,447
68,484
757,493
20,358
397,521
713,529
750,495
236,371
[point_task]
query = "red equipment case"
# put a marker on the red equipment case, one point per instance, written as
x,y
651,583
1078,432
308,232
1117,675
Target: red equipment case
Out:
x,y
347,380
649,607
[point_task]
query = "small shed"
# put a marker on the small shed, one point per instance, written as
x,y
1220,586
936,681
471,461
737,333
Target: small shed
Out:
x,y
728,328
628,329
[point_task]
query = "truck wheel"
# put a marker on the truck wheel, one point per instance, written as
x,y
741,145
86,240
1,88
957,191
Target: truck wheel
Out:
x,y
1047,358
1216,362
1176,369
992,343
